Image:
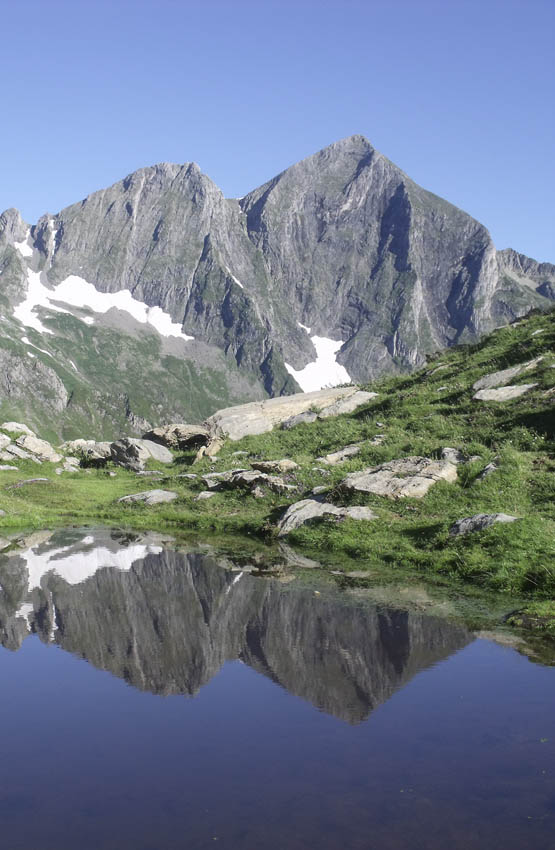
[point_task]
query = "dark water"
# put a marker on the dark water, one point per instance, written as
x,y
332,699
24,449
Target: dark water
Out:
x,y
154,700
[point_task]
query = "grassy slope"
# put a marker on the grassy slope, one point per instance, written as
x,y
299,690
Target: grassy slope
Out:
x,y
420,414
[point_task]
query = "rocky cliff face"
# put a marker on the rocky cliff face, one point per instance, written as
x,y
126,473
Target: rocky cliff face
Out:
x,y
166,622
340,261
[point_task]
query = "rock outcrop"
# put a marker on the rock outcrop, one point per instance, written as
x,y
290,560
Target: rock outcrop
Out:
x,y
407,477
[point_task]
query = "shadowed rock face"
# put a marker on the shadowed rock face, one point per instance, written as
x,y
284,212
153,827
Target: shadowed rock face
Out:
x,y
166,622
342,242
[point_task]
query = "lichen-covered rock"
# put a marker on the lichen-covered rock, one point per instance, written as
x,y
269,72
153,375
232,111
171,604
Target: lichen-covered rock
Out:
x,y
309,509
478,522
405,477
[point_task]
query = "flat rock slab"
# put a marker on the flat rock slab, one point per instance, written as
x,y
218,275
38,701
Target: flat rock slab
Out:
x,y
347,405
12,451
6,468
40,448
299,419
178,435
310,509
151,497
340,456
259,417
496,379
503,393
398,479
478,522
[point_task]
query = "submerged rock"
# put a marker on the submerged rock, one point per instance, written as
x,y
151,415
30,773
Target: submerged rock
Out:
x,y
408,476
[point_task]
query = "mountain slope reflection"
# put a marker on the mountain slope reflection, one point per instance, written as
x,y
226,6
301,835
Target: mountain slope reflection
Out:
x,y
166,622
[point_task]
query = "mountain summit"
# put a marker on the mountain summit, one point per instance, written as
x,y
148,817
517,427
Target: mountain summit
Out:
x,y
159,299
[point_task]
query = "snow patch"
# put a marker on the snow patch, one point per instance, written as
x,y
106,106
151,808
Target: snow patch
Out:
x,y
25,247
325,371
304,327
232,276
77,292
28,342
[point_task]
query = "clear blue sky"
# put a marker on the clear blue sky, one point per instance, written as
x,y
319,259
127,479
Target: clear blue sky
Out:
x,y
459,93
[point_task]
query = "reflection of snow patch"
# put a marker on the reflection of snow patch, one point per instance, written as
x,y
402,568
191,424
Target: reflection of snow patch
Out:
x,y
25,610
325,371
235,580
76,292
76,567
232,276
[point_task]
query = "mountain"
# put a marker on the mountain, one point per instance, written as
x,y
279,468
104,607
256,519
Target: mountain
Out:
x,y
158,299
167,621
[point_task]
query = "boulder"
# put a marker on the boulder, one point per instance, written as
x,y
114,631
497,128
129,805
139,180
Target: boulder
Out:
x,y
17,428
133,453
258,417
347,405
282,466
150,497
397,479
487,470
12,451
496,379
178,436
7,468
39,448
309,509
503,393
340,456
4,441
453,455
253,478
204,494
478,522
88,449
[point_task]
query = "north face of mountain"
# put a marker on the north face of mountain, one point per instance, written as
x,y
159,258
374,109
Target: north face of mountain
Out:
x,y
158,299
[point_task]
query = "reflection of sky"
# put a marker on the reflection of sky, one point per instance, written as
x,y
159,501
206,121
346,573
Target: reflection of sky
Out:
x,y
455,758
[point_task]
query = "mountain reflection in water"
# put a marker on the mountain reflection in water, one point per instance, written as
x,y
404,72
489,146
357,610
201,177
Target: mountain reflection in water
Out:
x,y
166,621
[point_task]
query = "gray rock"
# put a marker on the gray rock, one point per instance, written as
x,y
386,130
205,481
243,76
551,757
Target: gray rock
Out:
x,y
40,448
15,451
262,416
347,405
453,455
133,454
317,491
478,522
4,441
309,509
204,494
187,475
496,379
282,466
28,481
487,470
17,428
150,497
405,477
178,436
299,419
6,468
340,456
504,393
252,478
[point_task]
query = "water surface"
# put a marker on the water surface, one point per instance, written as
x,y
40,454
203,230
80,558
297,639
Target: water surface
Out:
x,y
158,699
